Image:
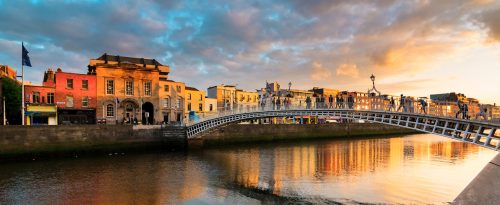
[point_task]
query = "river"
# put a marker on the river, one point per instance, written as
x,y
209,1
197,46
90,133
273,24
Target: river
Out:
x,y
410,169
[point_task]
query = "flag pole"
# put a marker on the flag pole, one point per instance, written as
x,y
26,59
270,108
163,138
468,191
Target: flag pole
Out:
x,y
22,91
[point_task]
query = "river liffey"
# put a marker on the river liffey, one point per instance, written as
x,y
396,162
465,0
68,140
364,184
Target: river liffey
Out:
x,y
411,169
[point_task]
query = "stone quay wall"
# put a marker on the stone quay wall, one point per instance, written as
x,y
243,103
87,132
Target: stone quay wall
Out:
x,y
36,141
243,133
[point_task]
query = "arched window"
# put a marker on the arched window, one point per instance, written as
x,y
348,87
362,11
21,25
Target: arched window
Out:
x,y
110,110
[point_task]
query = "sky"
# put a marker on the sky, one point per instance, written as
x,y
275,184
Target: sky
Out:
x,y
413,47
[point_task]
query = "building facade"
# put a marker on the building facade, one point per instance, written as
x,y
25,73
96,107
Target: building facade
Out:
x,y
246,100
195,101
172,101
128,88
225,95
75,98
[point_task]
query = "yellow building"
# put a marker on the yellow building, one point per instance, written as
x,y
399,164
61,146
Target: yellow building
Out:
x,y
246,100
195,101
225,95
172,96
128,88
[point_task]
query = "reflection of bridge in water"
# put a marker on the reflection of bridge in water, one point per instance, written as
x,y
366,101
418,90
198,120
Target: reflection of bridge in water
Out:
x,y
476,132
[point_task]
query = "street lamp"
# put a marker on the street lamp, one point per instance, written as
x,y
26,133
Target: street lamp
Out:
x,y
373,89
289,85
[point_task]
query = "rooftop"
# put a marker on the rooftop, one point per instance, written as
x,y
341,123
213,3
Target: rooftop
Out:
x,y
132,60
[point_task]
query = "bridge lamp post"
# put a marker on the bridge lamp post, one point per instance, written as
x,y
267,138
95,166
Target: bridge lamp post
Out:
x,y
373,89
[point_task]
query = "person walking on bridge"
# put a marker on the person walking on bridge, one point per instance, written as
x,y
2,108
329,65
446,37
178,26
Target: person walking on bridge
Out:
x,y
350,102
308,102
392,104
482,113
330,101
402,103
460,108
423,106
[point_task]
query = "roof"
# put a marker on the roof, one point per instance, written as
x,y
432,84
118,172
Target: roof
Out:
x,y
133,60
191,88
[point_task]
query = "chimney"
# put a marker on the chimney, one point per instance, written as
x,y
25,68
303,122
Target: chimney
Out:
x,y
143,62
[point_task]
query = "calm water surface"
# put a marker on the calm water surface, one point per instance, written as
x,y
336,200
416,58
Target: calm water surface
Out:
x,y
411,169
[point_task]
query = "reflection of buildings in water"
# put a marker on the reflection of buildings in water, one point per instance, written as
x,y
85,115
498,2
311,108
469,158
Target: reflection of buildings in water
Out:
x,y
267,168
149,183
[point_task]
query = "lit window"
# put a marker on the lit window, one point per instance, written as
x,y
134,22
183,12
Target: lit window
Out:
x,y
129,87
201,97
189,96
110,110
85,101
85,84
178,88
147,88
50,98
110,87
69,101
69,83
166,88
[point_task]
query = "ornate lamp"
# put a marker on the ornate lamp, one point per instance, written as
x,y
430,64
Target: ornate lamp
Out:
x,y
373,90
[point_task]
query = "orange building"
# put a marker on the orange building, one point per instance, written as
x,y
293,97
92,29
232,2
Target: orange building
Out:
x,y
195,101
7,71
128,88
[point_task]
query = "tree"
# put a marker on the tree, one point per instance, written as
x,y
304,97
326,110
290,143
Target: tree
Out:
x,y
11,90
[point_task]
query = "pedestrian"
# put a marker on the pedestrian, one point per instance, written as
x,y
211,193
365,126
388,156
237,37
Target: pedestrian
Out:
x,y
402,103
342,105
308,102
460,108
278,103
465,111
482,112
330,102
350,102
423,106
274,103
392,104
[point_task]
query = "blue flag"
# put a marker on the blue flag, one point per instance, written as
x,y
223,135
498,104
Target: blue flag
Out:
x,y
26,58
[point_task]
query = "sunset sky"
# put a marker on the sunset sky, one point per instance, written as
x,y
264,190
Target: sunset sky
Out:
x,y
414,47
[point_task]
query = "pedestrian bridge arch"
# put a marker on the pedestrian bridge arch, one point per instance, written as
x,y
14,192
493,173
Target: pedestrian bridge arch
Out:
x,y
469,131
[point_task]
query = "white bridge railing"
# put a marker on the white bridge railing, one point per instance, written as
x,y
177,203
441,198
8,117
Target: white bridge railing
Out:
x,y
476,132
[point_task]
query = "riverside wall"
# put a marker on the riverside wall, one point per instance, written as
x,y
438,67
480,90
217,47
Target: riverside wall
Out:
x,y
39,141
244,133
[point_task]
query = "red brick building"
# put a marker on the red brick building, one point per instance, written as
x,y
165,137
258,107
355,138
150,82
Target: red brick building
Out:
x,y
40,101
75,98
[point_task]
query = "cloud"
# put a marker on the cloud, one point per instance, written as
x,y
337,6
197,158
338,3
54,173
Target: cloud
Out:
x,y
348,70
319,72
311,43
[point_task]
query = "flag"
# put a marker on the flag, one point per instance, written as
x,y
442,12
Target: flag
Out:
x,y
26,58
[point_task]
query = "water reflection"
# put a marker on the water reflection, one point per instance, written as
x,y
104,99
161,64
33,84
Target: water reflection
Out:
x,y
409,169
415,169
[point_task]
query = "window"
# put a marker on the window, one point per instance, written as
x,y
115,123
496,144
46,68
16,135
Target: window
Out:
x,y
201,97
166,88
178,88
36,97
50,98
110,110
189,106
129,87
166,102
200,107
43,99
69,83
189,96
211,107
85,101
85,84
178,105
110,87
69,101
147,88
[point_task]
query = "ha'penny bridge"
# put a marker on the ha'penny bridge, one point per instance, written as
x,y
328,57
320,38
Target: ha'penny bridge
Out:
x,y
480,133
